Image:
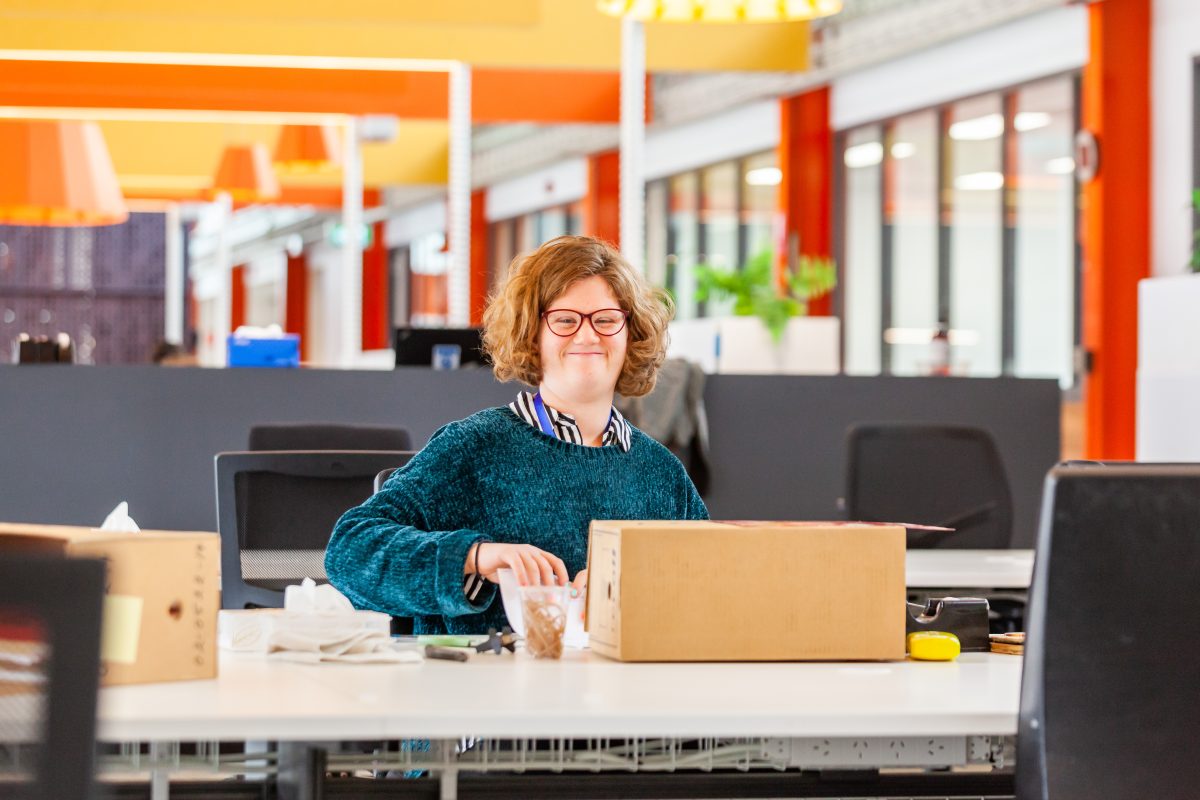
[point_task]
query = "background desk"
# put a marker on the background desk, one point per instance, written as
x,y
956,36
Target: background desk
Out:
x,y
968,569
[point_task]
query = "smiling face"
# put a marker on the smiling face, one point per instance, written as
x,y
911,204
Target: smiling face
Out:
x,y
584,366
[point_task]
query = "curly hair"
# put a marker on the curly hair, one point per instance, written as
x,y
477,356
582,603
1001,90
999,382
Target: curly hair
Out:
x,y
512,321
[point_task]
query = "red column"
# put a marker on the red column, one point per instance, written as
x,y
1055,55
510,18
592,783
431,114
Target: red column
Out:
x,y
806,188
480,280
295,311
1115,219
601,206
375,323
237,297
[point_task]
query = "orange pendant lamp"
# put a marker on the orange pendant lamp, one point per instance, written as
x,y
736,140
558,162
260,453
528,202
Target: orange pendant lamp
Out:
x,y
57,172
308,148
245,174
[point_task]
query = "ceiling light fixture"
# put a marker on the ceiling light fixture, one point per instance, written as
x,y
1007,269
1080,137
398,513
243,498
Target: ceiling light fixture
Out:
x,y
720,10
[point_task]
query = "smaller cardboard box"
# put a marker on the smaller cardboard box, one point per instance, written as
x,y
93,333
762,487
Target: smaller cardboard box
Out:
x,y
746,591
161,597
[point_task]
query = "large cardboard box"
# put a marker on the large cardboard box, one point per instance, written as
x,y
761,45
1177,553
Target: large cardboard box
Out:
x,y
746,591
161,597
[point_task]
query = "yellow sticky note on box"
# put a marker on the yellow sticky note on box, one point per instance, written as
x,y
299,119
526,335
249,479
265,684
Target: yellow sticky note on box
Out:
x,y
121,626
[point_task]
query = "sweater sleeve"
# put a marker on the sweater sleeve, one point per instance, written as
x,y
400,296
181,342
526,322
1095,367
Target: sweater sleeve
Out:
x,y
694,507
384,557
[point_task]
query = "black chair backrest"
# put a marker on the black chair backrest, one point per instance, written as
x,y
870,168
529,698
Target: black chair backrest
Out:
x,y
1109,702
276,511
947,475
327,436
49,670
382,477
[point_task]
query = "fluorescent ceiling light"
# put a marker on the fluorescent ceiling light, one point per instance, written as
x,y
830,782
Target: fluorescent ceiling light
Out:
x,y
959,337
979,181
977,129
863,155
903,149
1031,120
764,176
1064,165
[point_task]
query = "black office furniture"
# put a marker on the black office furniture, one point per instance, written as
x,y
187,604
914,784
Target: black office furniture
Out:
x,y
50,609
274,530
414,346
1109,701
944,475
327,436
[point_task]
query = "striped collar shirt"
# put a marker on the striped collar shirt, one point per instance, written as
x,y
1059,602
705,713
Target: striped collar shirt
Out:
x,y
566,429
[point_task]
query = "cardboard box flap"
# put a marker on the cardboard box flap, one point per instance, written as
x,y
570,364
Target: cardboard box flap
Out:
x,y
73,534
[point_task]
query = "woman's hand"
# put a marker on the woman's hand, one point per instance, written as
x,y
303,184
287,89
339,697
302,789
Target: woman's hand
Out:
x,y
579,585
531,565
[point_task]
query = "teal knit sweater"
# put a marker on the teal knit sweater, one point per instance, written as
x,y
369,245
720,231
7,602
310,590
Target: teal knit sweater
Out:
x,y
492,478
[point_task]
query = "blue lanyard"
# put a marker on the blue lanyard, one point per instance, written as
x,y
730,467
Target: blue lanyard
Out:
x,y
543,417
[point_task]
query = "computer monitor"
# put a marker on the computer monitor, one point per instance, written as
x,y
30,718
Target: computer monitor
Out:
x,y
1108,690
276,511
414,346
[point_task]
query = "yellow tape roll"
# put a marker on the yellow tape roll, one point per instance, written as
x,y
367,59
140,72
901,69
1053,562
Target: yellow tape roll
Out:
x,y
933,646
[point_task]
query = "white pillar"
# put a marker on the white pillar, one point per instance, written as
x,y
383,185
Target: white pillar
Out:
x,y
224,300
633,139
173,289
350,274
459,221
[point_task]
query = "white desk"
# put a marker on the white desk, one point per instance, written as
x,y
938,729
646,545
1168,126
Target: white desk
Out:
x,y
969,569
584,695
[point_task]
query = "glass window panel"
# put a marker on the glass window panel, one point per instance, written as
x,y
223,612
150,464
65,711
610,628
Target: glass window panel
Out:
x,y
719,221
683,242
862,272
551,223
760,201
976,183
1044,282
912,207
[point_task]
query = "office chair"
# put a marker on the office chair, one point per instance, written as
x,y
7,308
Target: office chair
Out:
x,y
382,477
50,652
276,511
947,475
327,436
1108,693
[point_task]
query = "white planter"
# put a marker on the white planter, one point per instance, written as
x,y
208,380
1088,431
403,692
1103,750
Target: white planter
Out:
x,y
1168,373
743,345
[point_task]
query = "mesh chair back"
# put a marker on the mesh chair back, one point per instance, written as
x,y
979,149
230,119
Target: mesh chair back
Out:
x,y
948,475
327,436
49,668
276,511
1108,697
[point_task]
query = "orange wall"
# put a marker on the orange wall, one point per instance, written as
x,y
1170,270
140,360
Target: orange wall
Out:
x,y
295,319
376,328
479,256
237,297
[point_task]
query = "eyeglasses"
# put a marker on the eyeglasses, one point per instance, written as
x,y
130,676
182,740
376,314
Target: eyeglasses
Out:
x,y
565,321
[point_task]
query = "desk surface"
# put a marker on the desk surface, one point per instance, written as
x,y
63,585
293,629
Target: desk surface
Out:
x,y
974,569
582,695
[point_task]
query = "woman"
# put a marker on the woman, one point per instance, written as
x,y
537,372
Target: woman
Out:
x,y
516,486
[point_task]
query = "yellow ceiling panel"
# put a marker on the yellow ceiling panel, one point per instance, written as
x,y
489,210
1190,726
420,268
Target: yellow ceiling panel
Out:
x,y
514,33
181,157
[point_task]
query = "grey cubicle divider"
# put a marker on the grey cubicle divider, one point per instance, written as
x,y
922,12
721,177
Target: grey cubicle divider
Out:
x,y
74,441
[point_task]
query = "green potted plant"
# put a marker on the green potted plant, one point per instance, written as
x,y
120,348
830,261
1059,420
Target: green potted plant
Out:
x,y
1195,262
755,290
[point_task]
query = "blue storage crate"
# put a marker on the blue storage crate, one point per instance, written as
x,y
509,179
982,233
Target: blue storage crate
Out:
x,y
281,352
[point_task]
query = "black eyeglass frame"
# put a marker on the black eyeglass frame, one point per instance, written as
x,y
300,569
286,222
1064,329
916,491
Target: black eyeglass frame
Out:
x,y
588,317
